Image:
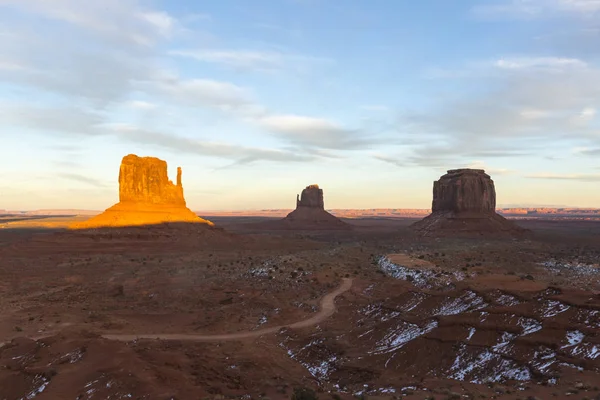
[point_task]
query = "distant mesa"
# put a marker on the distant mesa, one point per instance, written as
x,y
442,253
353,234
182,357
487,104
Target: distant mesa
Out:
x,y
464,201
310,212
146,197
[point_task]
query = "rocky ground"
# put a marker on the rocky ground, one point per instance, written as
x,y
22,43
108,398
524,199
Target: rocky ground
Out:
x,y
425,318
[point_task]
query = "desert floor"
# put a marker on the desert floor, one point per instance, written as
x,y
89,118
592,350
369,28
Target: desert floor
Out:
x,y
187,312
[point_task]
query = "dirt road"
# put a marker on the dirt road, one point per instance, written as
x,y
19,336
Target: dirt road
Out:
x,y
327,309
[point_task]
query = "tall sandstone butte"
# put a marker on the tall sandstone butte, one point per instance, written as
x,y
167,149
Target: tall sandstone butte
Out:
x,y
310,213
464,190
146,197
464,201
145,180
312,196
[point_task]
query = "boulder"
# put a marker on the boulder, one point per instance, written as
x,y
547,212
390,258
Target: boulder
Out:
x,y
146,197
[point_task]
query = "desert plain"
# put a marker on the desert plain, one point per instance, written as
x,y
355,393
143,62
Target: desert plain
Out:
x,y
256,307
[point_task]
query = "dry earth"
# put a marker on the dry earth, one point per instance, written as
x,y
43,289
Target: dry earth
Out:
x,y
423,318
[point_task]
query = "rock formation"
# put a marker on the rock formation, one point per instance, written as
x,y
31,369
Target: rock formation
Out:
x,y
310,213
144,180
312,196
464,190
146,197
464,201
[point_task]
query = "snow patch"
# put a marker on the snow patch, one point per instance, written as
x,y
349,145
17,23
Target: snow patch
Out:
x,y
552,308
404,333
469,301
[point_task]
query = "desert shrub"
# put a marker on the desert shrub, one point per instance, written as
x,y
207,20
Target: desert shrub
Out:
x,y
304,394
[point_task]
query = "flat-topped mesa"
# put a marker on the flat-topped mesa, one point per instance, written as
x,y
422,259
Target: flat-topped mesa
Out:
x,y
312,196
146,197
464,202
464,190
145,180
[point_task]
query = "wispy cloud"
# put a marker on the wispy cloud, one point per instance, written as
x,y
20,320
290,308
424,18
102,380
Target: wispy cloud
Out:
x,y
490,170
534,101
314,132
535,8
253,60
375,108
509,8
241,154
568,177
548,63
79,178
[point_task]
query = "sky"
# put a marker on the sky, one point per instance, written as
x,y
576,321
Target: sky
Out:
x,y
372,100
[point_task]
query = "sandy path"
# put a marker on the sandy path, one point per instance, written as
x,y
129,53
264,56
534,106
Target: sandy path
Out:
x,y
327,310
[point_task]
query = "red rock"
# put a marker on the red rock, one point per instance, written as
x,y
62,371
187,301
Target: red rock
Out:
x,y
312,196
146,197
309,214
464,201
145,180
464,190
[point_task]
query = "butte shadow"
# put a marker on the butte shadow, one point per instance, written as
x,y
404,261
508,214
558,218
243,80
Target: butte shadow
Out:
x,y
464,203
146,197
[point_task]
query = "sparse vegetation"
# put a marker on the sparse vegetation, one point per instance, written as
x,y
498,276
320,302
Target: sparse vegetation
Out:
x,y
303,393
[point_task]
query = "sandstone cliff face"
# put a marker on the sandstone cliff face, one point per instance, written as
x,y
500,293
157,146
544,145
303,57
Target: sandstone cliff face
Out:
x,y
146,197
312,196
464,190
145,180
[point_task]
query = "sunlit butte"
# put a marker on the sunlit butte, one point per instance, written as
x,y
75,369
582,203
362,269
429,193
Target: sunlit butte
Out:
x,y
146,197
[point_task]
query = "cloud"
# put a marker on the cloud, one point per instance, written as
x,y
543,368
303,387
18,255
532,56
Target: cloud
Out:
x,y
527,104
490,170
397,161
86,50
589,151
202,92
241,154
547,63
141,105
56,120
375,108
82,179
253,60
240,59
89,64
585,116
314,132
536,8
568,177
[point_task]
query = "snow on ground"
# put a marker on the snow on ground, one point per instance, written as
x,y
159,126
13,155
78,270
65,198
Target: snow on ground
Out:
x,y
469,301
576,269
552,308
485,366
40,384
401,335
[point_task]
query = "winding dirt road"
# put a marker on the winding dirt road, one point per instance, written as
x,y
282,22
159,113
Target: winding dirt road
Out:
x,y
327,310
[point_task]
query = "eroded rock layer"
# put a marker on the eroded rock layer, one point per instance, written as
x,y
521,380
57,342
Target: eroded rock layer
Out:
x,y
146,197
464,201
